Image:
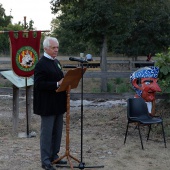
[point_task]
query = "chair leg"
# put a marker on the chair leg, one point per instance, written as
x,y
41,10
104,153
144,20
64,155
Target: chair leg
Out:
x,y
163,132
140,136
126,132
148,132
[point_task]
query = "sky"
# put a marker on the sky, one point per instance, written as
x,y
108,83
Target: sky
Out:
x,y
37,10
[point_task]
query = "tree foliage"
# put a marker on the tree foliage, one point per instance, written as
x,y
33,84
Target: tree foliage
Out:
x,y
130,27
6,25
89,22
150,21
163,62
4,19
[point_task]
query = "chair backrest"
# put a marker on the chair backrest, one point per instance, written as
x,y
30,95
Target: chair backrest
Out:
x,y
136,107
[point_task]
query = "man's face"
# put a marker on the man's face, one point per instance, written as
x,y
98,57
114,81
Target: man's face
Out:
x,y
52,50
149,87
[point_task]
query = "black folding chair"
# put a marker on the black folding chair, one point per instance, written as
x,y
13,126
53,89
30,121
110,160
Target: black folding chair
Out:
x,y
137,113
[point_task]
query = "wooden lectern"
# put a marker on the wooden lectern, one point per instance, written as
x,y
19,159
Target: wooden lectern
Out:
x,y
70,81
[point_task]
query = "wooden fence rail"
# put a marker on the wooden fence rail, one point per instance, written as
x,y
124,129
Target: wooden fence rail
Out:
x,y
91,66
101,74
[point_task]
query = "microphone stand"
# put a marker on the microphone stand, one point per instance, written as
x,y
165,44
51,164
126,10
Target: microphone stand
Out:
x,y
82,164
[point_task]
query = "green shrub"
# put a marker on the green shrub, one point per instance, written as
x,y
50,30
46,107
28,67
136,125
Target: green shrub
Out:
x,y
110,86
163,62
119,80
96,90
122,88
119,85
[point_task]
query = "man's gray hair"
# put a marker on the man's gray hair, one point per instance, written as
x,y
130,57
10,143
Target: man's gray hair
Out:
x,y
47,40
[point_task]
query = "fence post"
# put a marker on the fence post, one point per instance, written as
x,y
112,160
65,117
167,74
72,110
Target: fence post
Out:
x,y
15,115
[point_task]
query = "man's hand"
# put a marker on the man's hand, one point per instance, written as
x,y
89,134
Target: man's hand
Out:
x,y
59,83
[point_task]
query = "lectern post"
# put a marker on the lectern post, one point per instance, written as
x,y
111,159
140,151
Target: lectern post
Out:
x,y
70,81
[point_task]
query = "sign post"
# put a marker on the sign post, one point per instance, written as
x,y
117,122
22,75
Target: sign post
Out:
x,y
19,82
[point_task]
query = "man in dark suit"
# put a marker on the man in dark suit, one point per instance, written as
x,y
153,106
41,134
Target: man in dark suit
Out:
x,y
49,104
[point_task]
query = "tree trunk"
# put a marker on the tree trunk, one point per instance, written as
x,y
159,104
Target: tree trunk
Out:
x,y
103,63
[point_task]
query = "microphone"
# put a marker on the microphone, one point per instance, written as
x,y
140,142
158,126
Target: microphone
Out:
x,y
77,59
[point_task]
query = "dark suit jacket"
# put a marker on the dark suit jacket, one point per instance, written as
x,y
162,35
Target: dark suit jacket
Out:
x,y
46,100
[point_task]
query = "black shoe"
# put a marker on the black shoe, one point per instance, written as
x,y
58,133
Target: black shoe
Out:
x,y
48,167
61,162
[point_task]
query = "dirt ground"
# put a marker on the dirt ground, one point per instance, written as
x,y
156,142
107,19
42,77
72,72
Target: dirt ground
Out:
x,y
104,125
